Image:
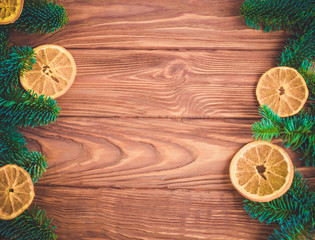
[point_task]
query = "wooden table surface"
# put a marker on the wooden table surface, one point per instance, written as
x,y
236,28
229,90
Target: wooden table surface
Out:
x,y
163,99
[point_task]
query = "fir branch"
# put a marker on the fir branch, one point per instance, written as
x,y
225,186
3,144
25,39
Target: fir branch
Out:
x,y
11,141
26,109
295,210
308,72
15,65
41,16
281,209
307,151
32,224
293,130
298,50
295,228
297,132
33,162
310,109
278,14
4,41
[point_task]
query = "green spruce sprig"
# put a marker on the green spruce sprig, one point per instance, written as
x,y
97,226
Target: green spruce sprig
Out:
x,y
32,224
295,228
27,109
33,162
19,61
11,141
274,15
13,150
41,16
299,49
294,211
307,70
297,132
4,42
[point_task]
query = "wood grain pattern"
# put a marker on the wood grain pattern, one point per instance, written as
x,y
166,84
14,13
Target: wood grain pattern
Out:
x,y
157,24
145,179
142,153
98,213
141,83
163,99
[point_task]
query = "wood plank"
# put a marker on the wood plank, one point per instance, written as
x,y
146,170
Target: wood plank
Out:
x,y
143,153
141,83
157,24
88,213
123,172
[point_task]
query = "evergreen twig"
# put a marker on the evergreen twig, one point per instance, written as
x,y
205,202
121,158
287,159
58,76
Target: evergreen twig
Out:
x,y
32,224
295,228
41,16
307,70
33,162
295,210
298,50
4,41
26,109
274,15
297,132
15,65
11,141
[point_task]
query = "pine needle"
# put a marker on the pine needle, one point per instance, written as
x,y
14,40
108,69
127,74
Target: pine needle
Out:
x,y
274,15
32,224
294,211
297,132
299,50
33,162
4,42
27,109
11,141
41,16
15,65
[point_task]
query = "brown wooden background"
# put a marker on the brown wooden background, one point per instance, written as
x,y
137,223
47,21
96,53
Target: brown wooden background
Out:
x,y
163,99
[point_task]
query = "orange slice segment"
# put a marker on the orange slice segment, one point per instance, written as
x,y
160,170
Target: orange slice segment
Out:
x,y
283,89
52,74
10,10
16,191
261,171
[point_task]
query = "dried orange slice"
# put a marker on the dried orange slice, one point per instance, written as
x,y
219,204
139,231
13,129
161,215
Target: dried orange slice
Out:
x,y
16,191
261,171
10,11
52,74
283,89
